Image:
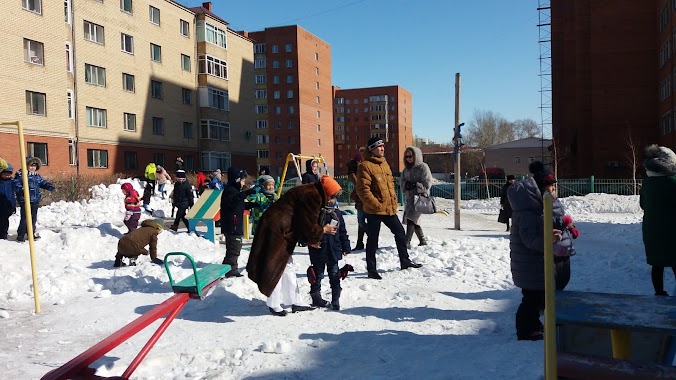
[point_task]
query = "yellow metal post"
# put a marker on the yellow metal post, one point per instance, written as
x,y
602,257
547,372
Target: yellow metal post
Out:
x,y
246,224
27,208
621,342
550,312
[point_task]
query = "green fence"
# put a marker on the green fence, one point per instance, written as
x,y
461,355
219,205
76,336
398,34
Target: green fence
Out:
x,y
483,190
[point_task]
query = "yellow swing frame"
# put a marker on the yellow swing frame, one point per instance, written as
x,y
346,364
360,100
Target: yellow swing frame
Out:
x,y
297,161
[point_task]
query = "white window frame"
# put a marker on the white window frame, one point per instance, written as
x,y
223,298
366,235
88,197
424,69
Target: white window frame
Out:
x,y
71,104
72,152
127,47
261,109
125,87
261,94
68,11
96,117
33,52
289,94
212,160
262,139
123,6
186,64
156,89
218,99
288,48
213,66
263,153
262,124
259,48
211,129
155,57
69,57
260,63
276,94
289,63
154,15
95,75
129,122
261,79
184,28
94,33
99,158
33,152
36,103
275,49
34,6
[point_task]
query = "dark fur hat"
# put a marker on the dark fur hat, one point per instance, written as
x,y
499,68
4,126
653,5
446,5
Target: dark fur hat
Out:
x,y
34,160
659,161
542,176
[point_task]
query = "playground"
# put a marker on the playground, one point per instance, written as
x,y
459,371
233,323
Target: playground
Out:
x,y
458,310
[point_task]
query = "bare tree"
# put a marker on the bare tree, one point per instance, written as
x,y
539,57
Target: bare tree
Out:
x,y
488,128
524,128
632,156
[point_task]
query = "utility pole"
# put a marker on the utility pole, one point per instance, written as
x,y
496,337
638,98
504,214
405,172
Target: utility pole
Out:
x,y
456,153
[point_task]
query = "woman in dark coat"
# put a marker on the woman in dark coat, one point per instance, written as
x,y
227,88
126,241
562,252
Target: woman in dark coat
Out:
x,y
658,201
506,208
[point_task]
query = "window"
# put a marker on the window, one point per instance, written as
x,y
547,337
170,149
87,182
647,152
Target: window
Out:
x,y
130,160
186,96
215,130
93,32
261,124
185,28
69,58
318,114
261,108
154,15
288,47
317,85
275,79
67,11
319,128
259,48
185,62
316,56
215,160
517,160
292,110
33,52
36,103
316,70
275,64
95,75
262,139
125,6
71,105
32,5
289,63
97,158
158,126
218,99
319,142
130,122
187,130
38,150
259,63
263,153
127,43
260,79
261,94
158,158
276,95
156,89
275,49
289,94
289,79
96,117
72,156
291,124
156,52
128,82
278,110
211,33
318,102
213,66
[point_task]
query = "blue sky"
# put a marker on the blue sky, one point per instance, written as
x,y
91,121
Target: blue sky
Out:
x,y
420,45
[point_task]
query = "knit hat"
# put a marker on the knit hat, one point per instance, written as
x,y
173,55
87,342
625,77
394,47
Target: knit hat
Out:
x,y
264,179
331,187
659,161
374,142
9,168
180,174
542,176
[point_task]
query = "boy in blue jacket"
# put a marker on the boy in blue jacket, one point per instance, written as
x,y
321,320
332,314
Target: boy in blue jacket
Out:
x,y
35,183
232,216
7,199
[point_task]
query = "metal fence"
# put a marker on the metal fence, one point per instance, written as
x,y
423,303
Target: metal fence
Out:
x,y
477,189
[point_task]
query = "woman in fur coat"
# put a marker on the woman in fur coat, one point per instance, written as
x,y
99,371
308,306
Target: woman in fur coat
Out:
x,y
415,179
295,216
659,208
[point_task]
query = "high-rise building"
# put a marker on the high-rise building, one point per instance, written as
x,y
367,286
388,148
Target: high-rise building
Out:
x,y
606,67
108,86
361,113
292,76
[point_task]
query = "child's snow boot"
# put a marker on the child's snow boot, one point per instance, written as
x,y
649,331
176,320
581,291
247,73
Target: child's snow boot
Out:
x,y
317,299
118,261
335,298
132,261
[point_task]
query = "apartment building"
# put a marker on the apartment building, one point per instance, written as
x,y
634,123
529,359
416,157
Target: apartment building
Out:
x,y
293,96
361,113
108,86
611,84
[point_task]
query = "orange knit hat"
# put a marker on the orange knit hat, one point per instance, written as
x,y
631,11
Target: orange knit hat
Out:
x,y
331,187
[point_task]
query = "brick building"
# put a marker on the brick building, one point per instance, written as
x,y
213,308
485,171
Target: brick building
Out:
x,y
292,69
607,67
108,86
361,113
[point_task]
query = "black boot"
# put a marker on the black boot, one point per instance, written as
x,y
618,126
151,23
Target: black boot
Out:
x,y
360,239
278,313
118,261
409,234
335,298
419,234
234,272
317,299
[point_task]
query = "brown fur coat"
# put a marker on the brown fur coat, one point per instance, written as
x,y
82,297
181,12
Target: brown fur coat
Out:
x,y
295,216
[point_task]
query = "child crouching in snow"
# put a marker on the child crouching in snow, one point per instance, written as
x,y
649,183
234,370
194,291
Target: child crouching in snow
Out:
x,y
333,246
133,244
132,206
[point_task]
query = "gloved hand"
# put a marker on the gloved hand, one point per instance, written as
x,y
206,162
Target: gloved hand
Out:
x,y
157,261
574,232
342,273
127,215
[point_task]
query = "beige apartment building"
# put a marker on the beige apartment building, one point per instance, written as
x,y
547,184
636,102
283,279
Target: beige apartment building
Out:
x,y
361,113
292,76
106,87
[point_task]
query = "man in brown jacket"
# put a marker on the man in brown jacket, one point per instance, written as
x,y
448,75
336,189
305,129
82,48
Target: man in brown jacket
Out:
x,y
133,244
375,187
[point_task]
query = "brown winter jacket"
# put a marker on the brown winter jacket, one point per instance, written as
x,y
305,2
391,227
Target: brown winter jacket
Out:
x,y
375,186
295,216
133,243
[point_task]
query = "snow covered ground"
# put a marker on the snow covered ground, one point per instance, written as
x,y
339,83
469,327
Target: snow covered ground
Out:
x,y
451,319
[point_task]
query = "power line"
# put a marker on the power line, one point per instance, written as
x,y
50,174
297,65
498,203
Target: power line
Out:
x,y
321,13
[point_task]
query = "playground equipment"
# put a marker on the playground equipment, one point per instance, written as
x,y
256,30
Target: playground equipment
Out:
x,y
297,159
207,210
196,286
